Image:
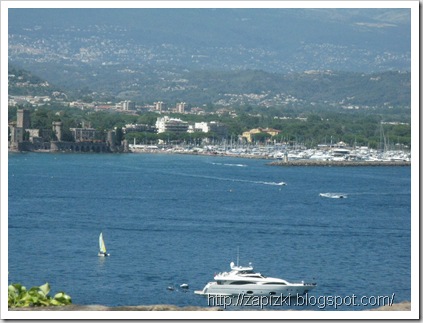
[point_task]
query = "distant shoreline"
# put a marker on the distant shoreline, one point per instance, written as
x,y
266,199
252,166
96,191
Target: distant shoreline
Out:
x,y
274,162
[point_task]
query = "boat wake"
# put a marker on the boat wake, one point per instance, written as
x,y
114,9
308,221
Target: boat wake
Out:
x,y
273,183
174,287
230,165
334,195
232,180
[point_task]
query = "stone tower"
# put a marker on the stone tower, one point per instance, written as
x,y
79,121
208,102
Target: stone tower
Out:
x,y
23,119
57,129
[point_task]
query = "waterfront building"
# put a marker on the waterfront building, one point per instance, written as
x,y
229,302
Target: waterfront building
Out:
x,y
216,127
201,127
248,135
83,134
166,124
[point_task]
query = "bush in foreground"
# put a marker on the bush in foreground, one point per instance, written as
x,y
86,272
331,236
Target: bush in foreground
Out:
x,y
19,296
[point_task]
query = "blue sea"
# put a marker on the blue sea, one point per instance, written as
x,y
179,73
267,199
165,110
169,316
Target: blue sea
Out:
x,y
174,219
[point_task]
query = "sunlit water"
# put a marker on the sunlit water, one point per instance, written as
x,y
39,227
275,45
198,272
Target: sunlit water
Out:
x,y
173,219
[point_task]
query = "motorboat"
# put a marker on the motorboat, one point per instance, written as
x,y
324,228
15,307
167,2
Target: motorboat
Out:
x,y
243,280
333,195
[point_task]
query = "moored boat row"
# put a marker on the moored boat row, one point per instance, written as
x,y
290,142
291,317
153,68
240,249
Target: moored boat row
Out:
x,y
354,156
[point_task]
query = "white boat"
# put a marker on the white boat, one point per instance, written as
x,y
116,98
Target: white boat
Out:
x,y
243,280
333,195
102,246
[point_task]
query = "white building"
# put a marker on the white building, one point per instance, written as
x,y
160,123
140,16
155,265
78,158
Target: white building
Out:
x,y
159,106
213,126
167,124
128,105
180,107
201,127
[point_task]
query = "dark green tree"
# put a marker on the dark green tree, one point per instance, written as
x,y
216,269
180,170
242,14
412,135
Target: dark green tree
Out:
x,y
119,135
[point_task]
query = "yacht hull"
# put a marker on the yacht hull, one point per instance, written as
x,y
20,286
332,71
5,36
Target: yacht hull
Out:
x,y
256,289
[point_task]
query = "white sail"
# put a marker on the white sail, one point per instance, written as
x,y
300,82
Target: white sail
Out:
x,y
101,243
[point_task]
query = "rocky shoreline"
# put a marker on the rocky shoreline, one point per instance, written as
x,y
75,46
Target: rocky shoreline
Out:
x,y
158,307
403,306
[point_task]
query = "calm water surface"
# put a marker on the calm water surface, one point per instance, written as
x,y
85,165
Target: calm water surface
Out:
x,y
173,219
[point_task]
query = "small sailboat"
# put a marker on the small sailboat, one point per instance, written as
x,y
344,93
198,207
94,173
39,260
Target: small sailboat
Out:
x,y
102,246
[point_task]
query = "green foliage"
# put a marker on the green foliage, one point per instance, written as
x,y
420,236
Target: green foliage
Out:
x,y
22,82
19,296
147,118
141,137
12,113
119,135
261,137
330,89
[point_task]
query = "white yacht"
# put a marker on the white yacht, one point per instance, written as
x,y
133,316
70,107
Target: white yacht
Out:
x,y
243,280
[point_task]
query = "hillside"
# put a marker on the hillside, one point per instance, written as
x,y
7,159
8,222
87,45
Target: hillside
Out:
x,y
142,52
328,89
22,82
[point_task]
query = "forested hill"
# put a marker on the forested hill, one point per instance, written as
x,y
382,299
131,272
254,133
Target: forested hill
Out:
x,y
312,87
22,82
327,89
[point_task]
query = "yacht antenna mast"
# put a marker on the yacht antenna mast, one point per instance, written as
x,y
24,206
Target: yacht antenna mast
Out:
x,y
237,256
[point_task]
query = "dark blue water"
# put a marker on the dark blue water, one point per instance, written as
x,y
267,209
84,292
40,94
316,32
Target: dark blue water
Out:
x,y
173,219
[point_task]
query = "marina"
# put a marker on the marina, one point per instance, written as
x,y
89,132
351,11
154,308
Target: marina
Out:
x,y
285,156
338,163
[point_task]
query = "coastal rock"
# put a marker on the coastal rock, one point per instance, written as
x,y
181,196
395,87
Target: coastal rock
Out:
x,y
159,307
403,306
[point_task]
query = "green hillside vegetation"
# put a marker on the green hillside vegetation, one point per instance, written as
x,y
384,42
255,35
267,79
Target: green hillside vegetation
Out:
x,y
324,89
22,82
